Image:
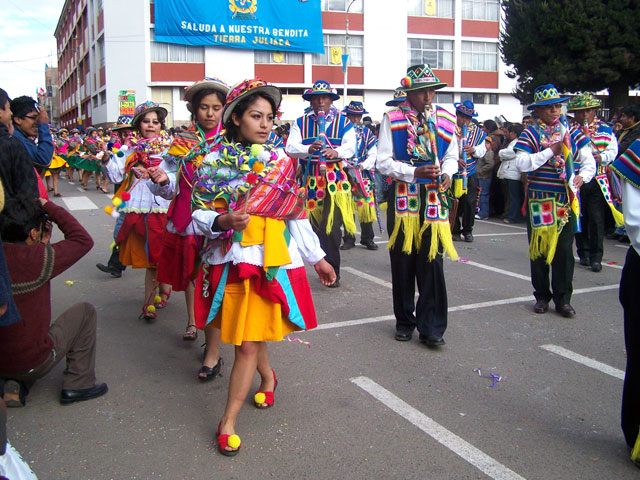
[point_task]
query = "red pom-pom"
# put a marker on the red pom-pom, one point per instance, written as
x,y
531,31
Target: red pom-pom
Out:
x,y
405,82
252,178
126,196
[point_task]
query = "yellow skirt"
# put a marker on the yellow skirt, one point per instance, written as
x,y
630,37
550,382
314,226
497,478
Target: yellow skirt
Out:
x,y
246,316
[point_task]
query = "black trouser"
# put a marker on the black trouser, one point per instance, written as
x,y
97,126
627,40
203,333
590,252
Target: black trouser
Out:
x,y
330,242
561,269
366,234
631,304
430,315
591,240
467,207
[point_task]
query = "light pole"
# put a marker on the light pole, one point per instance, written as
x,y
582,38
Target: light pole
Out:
x,y
346,52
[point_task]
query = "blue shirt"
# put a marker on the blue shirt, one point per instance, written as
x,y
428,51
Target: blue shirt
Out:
x,y
42,152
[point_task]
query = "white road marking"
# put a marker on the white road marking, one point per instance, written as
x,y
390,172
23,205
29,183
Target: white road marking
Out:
x,y
497,234
499,270
79,203
459,308
507,225
450,440
589,362
622,246
366,276
604,264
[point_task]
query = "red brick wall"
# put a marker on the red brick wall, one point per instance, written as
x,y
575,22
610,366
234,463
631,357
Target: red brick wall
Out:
x,y
335,76
177,72
480,28
430,25
479,79
280,73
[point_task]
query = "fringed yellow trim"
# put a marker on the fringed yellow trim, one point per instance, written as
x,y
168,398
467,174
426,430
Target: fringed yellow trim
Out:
x,y
383,206
316,214
344,202
617,215
366,213
440,233
458,191
544,241
410,225
635,452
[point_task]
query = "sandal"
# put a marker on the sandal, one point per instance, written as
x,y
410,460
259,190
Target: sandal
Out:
x,y
225,440
207,373
163,301
104,190
266,397
148,313
190,335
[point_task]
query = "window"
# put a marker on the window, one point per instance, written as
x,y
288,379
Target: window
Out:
x,y
341,6
355,50
268,56
481,56
101,51
480,98
437,53
103,97
168,52
481,10
443,97
431,8
95,101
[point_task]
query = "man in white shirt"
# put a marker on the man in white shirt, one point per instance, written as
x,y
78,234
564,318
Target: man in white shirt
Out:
x,y
421,155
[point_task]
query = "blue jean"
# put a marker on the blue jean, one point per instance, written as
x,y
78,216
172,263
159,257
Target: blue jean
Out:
x,y
516,194
483,202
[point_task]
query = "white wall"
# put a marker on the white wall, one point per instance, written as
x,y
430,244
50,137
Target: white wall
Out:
x,y
127,52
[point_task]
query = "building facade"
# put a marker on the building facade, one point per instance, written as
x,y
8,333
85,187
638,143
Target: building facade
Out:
x,y
106,46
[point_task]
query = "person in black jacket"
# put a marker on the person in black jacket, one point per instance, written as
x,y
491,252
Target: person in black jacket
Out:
x,y
16,170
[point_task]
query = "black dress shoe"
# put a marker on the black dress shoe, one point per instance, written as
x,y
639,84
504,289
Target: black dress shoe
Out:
x,y
370,245
456,237
541,306
335,284
403,336
347,245
585,262
467,237
207,373
596,266
116,272
72,396
432,340
566,310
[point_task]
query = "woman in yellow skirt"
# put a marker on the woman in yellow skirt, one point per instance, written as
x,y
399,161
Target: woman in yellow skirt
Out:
x,y
252,285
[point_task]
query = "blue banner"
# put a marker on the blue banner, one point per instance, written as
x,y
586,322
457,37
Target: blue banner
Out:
x,y
284,25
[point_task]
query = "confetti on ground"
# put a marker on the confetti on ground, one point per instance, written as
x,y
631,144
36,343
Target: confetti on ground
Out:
x,y
496,240
463,260
308,344
69,282
496,378
611,263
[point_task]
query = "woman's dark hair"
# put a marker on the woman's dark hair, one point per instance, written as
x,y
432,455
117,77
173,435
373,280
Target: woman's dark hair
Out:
x,y
231,130
516,128
19,216
4,98
163,126
490,126
194,105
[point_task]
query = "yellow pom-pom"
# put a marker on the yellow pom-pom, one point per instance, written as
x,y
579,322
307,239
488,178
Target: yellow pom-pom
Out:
x,y
233,441
112,246
117,201
257,167
151,309
108,209
259,398
157,299
256,148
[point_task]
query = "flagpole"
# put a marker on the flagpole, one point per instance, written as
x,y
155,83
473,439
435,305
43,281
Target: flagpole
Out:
x,y
345,63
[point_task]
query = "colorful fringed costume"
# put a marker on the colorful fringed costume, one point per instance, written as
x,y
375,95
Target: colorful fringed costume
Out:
x,y
334,181
181,247
421,144
252,284
363,188
140,237
549,197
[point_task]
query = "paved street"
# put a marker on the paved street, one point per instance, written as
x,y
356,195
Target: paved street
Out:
x,y
353,403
